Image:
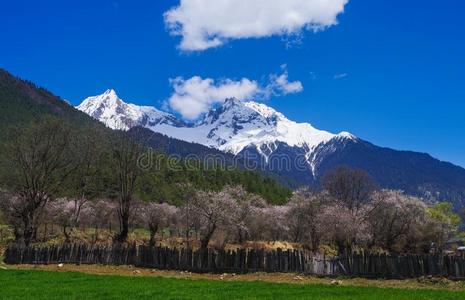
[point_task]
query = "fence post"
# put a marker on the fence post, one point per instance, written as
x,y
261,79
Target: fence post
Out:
x,y
243,260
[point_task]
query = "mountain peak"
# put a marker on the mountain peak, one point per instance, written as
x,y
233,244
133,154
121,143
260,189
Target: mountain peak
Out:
x,y
236,125
260,108
346,135
231,127
229,102
110,93
109,97
263,109
117,114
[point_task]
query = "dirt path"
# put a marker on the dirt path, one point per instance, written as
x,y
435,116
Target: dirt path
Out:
x,y
429,283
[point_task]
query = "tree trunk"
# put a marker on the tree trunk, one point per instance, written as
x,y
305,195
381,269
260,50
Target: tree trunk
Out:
x,y
315,241
123,235
28,235
124,213
242,235
206,239
341,247
297,236
240,239
204,243
66,234
29,230
45,233
152,241
153,232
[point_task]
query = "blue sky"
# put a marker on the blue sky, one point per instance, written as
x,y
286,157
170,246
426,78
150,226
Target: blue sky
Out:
x,y
391,72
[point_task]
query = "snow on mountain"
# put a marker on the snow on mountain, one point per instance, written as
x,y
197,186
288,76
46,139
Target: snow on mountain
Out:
x,y
231,127
109,109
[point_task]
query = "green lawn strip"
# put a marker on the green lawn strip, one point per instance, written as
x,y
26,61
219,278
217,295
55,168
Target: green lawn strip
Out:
x,y
27,284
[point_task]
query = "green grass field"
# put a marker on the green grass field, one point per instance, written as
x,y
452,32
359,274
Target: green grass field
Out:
x,y
21,284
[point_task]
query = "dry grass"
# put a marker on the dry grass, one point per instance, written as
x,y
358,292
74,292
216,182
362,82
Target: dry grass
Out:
x,y
141,236
52,235
6,236
273,245
421,283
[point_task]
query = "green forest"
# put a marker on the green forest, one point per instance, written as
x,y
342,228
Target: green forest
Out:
x,y
28,111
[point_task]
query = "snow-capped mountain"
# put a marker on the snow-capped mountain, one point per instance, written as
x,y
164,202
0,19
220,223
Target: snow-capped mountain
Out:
x,y
271,134
297,152
109,109
231,127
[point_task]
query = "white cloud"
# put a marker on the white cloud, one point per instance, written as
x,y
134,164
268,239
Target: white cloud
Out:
x,y
195,96
340,76
204,24
280,85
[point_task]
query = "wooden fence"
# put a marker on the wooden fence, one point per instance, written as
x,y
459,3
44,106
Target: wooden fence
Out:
x,y
402,266
215,261
244,260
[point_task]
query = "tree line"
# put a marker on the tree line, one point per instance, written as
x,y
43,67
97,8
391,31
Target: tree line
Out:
x,y
51,159
71,178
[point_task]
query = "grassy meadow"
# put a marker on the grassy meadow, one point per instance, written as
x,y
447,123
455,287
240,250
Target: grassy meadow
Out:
x,y
33,284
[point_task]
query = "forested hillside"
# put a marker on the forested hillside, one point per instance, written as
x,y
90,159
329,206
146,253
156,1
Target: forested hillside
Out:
x,y
24,105
22,101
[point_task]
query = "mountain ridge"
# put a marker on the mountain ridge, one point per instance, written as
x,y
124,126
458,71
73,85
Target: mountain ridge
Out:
x,y
303,154
117,114
231,127
23,104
